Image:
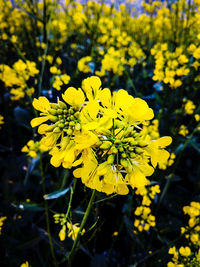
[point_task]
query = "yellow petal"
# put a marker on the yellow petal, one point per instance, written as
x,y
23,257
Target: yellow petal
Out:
x,y
42,104
164,141
105,97
91,87
72,96
93,109
37,121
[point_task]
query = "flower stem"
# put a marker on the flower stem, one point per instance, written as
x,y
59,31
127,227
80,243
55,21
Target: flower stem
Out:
x,y
47,212
76,241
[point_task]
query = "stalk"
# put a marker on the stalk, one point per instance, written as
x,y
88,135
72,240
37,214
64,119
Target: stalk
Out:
x,y
76,241
47,212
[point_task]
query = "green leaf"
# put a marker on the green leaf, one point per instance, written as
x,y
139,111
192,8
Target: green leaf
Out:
x,y
22,117
28,206
56,194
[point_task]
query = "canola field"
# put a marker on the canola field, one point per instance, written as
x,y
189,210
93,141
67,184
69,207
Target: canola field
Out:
x,y
100,133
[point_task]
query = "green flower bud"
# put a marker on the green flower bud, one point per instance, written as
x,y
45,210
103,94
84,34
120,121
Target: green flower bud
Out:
x,y
61,125
77,114
121,149
54,106
53,111
62,105
132,155
114,150
130,148
110,159
50,128
133,143
106,145
117,141
124,155
124,163
69,131
57,130
142,143
60,111
77,127
72,123
139,150
53,118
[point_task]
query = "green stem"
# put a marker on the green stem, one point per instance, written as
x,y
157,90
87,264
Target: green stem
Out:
x,y
72,189
47,212
76,241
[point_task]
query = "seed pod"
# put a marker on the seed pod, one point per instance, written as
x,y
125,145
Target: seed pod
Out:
x,y
110,159
124,163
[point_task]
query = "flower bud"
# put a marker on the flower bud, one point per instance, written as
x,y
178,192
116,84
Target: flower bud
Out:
x,y
124,163
57,130
62,105
54,106
77,127
106,145
69,131
53,118
110,159
53,111
60,111
114,150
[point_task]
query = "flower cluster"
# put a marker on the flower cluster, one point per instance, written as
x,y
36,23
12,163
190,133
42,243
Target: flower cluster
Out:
x,y
73,229
1,120
2,219
17,77
33,148
189,256
102,133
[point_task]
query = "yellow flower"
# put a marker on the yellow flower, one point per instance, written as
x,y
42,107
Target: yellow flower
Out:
x,y
189,107
183,130
101,133
185,251
62,233
73,230
26,264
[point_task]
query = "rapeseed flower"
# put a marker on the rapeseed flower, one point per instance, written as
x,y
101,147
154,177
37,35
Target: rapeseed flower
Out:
x,y
101,133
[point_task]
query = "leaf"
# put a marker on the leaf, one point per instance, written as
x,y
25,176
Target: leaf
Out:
x,y
56,194
22,117
28,206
